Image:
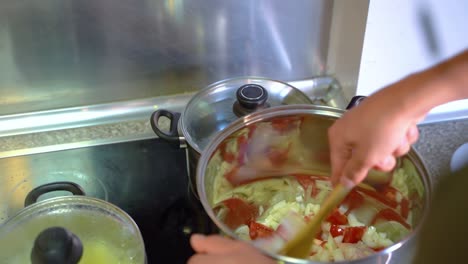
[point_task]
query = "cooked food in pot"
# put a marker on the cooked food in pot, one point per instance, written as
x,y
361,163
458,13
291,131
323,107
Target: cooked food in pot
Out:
x,y
269,210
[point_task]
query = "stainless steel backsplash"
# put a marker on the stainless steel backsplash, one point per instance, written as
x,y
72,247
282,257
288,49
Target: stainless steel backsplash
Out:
x,y
64,53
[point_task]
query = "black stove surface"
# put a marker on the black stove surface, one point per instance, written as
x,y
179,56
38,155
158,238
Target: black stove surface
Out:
x,y
161,202
147,179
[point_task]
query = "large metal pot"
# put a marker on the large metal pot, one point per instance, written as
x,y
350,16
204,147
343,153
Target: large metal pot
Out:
x,y
216,106
70,229
213,170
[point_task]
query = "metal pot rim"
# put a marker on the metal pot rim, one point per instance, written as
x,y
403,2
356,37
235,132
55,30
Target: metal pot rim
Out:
x,y
325,111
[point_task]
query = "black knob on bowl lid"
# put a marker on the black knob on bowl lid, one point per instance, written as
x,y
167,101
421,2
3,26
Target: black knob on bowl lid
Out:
x,y
56,245
250,97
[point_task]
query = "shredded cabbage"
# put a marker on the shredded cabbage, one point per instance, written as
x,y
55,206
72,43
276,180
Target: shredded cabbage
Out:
x,y
407,180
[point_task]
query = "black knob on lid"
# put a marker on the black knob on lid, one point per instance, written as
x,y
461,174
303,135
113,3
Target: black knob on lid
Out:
x,y
250,97
56,245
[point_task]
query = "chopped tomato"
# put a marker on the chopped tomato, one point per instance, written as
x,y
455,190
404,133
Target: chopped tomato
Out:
x,y
336,230
230,176
257,230
354,200
319,235
404,208
242,149
278,156
252,129
306,181
390,215
241,140
226,156
222,147
353,234
378,196
239,213
283,124
337,218
390,193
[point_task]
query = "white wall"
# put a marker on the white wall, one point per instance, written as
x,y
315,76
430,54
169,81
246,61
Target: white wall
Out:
x,y
346,40
395,45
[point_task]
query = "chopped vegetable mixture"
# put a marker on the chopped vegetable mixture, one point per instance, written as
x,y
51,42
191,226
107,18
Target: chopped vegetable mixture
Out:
x,y
269,210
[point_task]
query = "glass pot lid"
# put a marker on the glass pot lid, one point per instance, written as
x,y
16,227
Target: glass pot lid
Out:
x,y
217,105
107,234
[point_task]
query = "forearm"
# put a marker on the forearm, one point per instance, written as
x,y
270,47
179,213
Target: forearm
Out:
x,y
450,79
418,93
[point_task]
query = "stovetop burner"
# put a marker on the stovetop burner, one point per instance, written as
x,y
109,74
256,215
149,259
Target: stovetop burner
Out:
x,y
166,230
168,236
168,212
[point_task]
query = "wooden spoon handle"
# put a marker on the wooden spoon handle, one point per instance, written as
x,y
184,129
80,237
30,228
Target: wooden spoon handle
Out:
x,y
301,244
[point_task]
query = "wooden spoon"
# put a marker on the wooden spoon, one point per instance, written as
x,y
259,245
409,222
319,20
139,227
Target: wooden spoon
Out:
x,y
300,245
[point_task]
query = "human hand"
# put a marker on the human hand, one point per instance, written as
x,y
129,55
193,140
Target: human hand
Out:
x,y
218,250
374,133
383,126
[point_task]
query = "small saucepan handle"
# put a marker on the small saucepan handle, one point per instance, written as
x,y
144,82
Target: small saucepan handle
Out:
x,y
356,100
34,194
173,134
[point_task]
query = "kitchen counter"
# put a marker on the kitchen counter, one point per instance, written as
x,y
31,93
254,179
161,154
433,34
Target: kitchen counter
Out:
x,y
114,131
436,144
32,143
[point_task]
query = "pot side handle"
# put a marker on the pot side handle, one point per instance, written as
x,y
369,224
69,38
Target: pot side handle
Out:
x,y
72,187
356,100
173,134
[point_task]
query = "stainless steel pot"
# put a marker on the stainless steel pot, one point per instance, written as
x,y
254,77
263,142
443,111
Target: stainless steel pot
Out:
x,y
68,229
212,172
216,106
